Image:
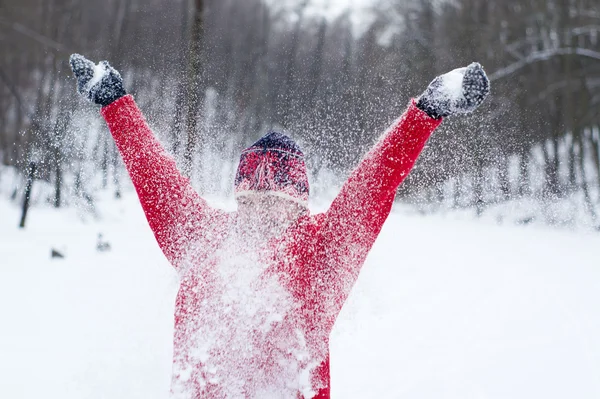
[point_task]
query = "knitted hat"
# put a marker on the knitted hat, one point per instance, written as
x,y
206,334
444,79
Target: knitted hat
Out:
x,y
273,165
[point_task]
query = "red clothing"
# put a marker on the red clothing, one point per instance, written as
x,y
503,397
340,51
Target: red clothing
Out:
x,y
317,260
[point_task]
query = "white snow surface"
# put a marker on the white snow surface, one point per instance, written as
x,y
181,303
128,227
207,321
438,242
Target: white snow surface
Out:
x,y
443,308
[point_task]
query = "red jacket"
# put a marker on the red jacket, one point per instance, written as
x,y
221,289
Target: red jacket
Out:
x,y
317,260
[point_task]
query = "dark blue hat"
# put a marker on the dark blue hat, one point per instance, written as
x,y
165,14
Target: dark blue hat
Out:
x,y
276,141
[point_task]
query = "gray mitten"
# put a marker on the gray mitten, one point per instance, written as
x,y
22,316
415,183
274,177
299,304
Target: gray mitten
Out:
x,y
101,84
459,91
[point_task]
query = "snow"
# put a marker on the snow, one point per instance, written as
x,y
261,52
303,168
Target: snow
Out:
x,y
100,71
452,84
76,327
232,320
490,312
443,308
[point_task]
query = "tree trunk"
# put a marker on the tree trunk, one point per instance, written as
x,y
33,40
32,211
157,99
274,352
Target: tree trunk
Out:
x,y
572,177
180,94
589,205
456,192
552,186
594,144
116,170
104,163
503,177
317,65
195,88
58,184
28,188
478,193
524,187
289,106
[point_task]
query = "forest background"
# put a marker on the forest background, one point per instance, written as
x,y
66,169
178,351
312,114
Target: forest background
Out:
x,y
214,75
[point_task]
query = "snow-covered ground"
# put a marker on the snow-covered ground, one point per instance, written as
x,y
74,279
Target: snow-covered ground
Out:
x,y
444,308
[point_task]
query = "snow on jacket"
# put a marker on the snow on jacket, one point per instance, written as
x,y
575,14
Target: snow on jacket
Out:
x,y
281,350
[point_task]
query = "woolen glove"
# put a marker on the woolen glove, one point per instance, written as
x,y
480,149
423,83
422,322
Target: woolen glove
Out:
x,y
459,91
101,84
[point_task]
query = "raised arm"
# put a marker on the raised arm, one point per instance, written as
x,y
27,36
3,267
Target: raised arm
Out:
x,y
357,214
177,215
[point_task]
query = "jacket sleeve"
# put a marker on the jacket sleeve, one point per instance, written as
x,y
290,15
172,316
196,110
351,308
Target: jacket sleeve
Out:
x,y
174,210
357,214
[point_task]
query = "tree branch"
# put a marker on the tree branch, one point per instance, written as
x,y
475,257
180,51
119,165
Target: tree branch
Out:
x,y
46,41
542,56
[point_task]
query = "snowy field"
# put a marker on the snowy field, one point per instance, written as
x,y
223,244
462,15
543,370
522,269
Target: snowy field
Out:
x,y
444,308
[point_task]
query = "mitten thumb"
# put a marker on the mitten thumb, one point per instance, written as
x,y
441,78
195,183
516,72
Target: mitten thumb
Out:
x,y
83,69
